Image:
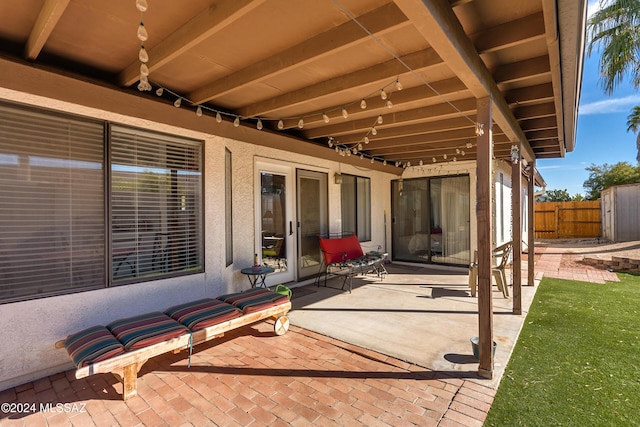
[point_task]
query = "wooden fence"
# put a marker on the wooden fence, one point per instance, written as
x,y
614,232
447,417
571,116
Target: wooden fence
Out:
x,y
566,220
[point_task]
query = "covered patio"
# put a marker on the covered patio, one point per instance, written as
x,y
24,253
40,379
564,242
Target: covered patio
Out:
x,y
398,88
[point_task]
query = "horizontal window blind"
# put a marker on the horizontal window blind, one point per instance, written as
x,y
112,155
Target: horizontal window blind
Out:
x,y
155,205
52,215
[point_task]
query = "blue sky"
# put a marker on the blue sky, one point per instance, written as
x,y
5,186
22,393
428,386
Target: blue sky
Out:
x,y
602,135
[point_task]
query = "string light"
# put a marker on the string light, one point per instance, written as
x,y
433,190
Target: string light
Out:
x,y
301,123
280,124
325,117
345,114
160,91
259,124
143,56
218,117
177,102
380,119
363,104
199,111
383,94
236,121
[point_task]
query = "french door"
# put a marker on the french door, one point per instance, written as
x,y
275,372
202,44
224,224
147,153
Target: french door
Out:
x,y
291,210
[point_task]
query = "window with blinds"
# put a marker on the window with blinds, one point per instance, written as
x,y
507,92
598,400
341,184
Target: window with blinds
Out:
x,y
155,205
52,229
70,222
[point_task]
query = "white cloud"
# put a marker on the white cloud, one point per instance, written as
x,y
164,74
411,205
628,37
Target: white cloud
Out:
x,y
592,7
611,105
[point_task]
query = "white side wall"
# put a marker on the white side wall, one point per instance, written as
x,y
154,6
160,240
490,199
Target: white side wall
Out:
x,y
30,329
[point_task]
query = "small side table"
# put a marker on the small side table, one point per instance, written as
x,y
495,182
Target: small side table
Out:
x,y
256,276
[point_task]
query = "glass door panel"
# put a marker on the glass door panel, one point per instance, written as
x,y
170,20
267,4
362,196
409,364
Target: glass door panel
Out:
x,y
312,220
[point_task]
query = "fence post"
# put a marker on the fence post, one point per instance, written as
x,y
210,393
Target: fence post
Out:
x,y
557,222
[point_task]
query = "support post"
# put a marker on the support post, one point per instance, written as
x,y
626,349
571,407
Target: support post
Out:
x,y
485,236
531,228
516,227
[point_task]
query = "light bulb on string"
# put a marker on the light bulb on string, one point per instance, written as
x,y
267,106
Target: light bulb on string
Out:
x,y
325,117
141,5
280,124
421,162
359,147
363,104
236,121
374,131
361,156
444,156
384,162
218,117
142,33
143,56
433,159
144,70
383,94
301,123
160,91
389,104
345,113
259,125
177,102
199,111
366,139
380,119
398,85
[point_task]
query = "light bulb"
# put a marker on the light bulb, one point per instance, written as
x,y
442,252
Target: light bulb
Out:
x,y
421,162
280,124
345,114
389,104
199,111
142,5
359,147
374,131
457,151
366,139
384,162
301,123
177,102
348,153
462,152
141,86
455,159
259,125
444,156
433,159
469,145
372,160
380,119
142,33
383,94
361,156
160,91
408,164
398,85
144,79
363,104
143,56
355,150
144,70
325,117
218,117
236,121
337,149
330,143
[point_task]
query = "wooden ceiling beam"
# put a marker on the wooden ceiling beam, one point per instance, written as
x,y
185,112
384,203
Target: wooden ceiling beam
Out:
x,y
437,23
458,136
541,123
530,94
50,14
381,73
521,70
535,111
509,34
439,111
218,16
454,144
379,21
414,129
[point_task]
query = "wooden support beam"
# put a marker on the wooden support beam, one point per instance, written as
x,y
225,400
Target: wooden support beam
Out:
x,y
437,23
516,228
485,238
50,14
530,226
379,21
212,20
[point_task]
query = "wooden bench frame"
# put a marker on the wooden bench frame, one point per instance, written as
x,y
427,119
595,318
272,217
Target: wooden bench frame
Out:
x,y
126,366
345,253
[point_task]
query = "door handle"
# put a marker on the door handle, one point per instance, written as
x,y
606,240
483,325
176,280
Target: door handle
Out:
x,y
290,228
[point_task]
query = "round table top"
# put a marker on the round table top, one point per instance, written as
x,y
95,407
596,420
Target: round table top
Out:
x,y
255,271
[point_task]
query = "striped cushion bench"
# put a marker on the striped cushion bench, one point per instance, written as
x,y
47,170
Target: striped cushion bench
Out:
x,y
254,299
92,345
203,313
145,330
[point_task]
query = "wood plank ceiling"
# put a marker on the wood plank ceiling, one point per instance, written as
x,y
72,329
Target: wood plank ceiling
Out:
x,y
318,70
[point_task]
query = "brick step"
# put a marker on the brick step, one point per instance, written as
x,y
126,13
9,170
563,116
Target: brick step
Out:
x,y
615,263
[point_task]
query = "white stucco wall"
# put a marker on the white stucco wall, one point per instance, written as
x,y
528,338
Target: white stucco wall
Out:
x,y
30,329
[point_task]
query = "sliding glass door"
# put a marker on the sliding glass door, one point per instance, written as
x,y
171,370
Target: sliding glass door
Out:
x,y
430,220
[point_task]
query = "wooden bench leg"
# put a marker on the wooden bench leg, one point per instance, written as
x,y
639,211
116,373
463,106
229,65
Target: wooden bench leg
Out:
x,y
128,376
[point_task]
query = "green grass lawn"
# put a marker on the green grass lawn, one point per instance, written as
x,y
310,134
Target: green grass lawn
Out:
x,y
577,361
